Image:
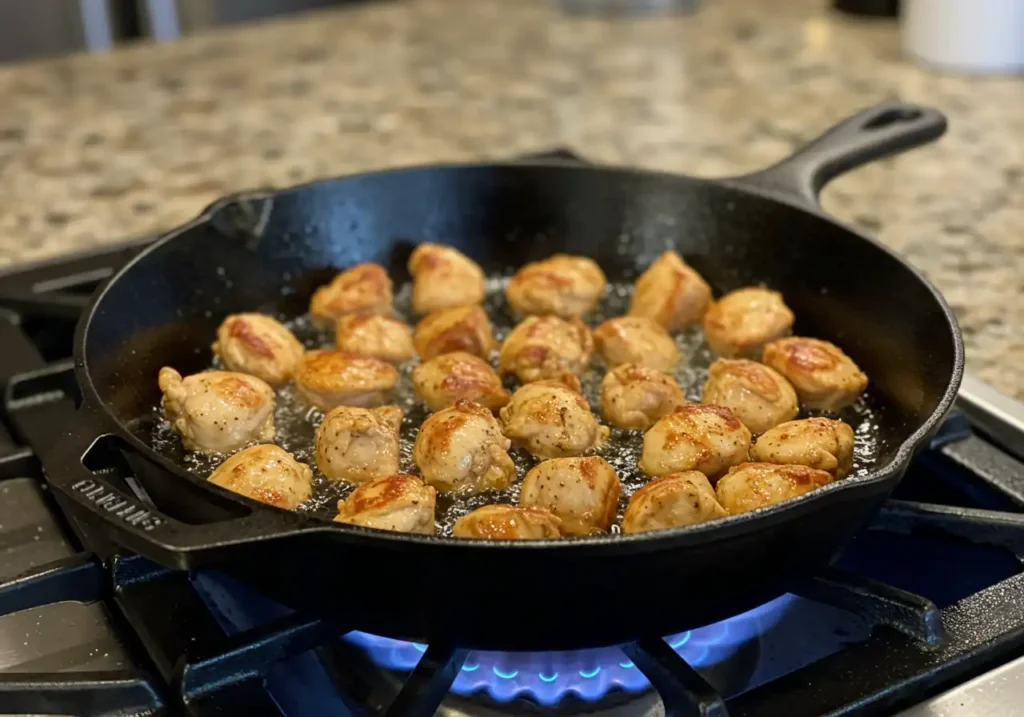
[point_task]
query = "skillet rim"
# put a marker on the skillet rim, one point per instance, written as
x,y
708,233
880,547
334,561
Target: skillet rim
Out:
x,y
695,534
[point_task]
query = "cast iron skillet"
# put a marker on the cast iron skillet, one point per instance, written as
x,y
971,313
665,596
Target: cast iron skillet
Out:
x,y
163,308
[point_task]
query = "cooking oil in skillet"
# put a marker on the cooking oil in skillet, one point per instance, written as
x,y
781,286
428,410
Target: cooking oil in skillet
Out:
x,y
296,422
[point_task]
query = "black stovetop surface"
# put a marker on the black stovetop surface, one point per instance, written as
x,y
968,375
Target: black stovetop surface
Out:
x,y
926,597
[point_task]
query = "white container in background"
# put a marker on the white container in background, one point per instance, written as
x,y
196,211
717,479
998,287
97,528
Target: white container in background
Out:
x,y
965,35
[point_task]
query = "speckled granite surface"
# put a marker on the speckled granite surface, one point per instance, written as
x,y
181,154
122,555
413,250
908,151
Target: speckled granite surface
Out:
x,y
97,149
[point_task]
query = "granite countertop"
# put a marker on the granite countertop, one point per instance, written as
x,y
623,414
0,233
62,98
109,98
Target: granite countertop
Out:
x,y
96,149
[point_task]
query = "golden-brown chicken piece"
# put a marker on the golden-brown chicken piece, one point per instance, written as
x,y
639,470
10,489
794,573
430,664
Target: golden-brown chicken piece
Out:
x,y
582,492
397,502
696,437
552,421
358,444
218,411
816,442
824,377
458,376
759,396
672,501
461,450
464,328
567,380
443,278
542,347
671,293
507,522
266,473
260,345
365,289
563,285
379,337
635,397
743,321
637,340
332,378
749,486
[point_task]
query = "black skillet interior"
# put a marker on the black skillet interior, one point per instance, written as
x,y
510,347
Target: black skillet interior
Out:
x,y
164,308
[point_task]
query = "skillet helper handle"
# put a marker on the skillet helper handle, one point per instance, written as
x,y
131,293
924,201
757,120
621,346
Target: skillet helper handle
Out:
x,y
100,498
874,133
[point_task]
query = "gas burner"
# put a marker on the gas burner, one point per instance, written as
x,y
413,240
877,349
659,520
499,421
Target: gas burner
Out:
x,y
549,677
727,655
926,596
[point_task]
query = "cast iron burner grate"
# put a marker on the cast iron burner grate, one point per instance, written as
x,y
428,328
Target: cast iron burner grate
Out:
x,y
160,645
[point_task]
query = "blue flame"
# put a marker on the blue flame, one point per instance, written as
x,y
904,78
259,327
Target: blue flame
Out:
x,y
548,677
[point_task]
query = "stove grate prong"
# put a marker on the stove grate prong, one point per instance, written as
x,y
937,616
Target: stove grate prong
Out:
x,y
429,682
683,692
52,304
992,527
878,603
78,577
91,693
249,654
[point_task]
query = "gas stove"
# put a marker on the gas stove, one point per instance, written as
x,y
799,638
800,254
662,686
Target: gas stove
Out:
x,y
925,611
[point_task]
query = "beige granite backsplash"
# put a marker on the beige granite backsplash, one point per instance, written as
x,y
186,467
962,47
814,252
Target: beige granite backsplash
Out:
x,y
97,149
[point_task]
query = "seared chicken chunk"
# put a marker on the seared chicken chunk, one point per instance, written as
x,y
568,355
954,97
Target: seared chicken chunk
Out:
x,y
749,486
563,285
260,345
365,289
331,378
397,502
542,347
507,522
266,473
567,380
824,377
672,501
375,336
757,395
448,378
816,442
582,492
696,437
443,278
671,293
464,328
461,450
552,421
743,321
358,444
637,340
218,411
635,397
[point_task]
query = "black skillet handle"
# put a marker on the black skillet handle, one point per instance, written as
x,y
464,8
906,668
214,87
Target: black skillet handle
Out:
x,y
880,131
139,526
100,498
